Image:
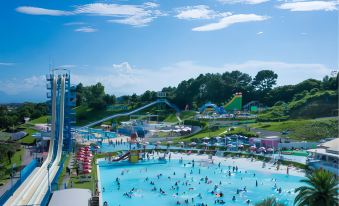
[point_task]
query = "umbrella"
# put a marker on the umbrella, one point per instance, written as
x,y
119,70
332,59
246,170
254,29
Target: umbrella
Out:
x,y
182,143
253,147
87,166
229,145
262,148
270,149
193,143
217,138
217,144
206,138
87,171
204,143
240,145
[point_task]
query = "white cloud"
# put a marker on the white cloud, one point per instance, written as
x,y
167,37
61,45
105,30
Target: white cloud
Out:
x,y
195,12
86,29
41,11
75,23
243,1
309,6
229,20
7,64
16,86
136,15
260,33
67,66
137,21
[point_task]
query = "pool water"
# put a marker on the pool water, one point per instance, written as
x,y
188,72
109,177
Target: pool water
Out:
x,y
134,176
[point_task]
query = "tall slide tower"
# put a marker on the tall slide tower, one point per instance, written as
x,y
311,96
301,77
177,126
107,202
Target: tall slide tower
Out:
x,y
69,104
36,189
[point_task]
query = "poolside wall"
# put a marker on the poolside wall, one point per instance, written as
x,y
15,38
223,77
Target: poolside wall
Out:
x,y
304,145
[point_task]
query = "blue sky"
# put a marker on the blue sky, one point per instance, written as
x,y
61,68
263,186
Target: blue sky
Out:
x,y
132,46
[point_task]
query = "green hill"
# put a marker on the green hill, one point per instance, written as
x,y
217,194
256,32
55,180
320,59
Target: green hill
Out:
x,y
303,106
184,115
304,129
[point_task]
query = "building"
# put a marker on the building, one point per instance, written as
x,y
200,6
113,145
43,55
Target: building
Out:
x,y
270,142
325,156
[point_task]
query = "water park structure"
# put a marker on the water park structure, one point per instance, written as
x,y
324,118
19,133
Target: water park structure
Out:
x,y
36,189
235,104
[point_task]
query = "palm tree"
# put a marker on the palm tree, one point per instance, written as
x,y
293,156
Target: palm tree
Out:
x,y
270,201
321,189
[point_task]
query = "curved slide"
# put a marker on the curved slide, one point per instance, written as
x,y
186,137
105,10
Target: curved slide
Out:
x,y
122,157
34,188
134,111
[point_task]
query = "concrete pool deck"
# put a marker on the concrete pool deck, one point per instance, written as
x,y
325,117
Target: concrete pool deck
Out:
x,y
242,163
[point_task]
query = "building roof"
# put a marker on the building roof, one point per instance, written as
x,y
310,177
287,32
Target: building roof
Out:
x,y
323,151
331,146
70,197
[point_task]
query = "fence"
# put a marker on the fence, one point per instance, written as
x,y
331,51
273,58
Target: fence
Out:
x,y
24,173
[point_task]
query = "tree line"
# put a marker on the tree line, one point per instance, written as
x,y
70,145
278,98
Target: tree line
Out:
x,y
13,115
217,88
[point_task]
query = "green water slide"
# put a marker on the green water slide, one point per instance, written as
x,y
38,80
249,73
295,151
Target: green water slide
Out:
x,y
235,103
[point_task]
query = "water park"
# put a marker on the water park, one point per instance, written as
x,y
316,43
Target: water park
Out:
x,y
158,152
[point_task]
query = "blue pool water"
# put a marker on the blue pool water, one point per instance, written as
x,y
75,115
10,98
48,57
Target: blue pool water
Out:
x,y
134,176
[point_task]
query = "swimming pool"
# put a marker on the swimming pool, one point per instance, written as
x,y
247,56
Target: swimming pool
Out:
x,y
135,176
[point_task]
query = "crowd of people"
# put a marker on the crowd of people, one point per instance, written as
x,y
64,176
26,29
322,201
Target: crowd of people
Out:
x,y
183,187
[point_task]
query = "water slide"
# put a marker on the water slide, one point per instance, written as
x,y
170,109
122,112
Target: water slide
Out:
x,y
134,111
235,103
34,188
122,157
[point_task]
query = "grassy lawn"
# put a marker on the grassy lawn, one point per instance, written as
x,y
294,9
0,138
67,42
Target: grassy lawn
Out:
x,y
29,139
63,172
4,136
204,133
303,129
88,184
17,160
40,120
85,115
184,115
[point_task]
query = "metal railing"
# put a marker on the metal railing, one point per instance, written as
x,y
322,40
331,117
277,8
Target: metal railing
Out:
x,y
24,173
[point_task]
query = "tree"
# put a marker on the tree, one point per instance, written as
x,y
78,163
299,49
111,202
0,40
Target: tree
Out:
x,y
330,83
95,98
321,189
80,98
265,80
270,201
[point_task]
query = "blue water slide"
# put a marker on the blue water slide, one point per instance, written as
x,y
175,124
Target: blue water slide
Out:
x,y
159,101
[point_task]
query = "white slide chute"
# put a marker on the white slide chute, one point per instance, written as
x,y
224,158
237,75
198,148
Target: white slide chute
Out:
x,y
36,186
